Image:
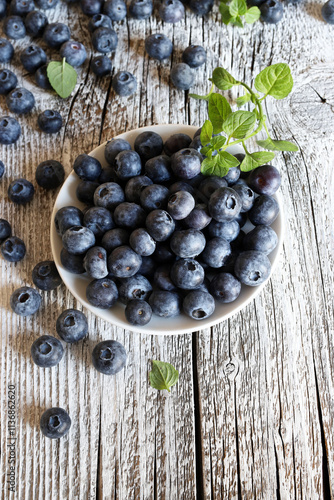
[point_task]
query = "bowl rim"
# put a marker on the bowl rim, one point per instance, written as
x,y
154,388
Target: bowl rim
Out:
x,y
200,325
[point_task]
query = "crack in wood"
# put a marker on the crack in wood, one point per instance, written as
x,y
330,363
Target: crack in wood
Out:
x,y
200,494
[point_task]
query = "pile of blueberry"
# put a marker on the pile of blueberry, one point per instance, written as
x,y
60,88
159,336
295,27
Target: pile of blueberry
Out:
x,y
161,237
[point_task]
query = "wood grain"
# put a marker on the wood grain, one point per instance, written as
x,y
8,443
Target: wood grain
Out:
x,y
252,414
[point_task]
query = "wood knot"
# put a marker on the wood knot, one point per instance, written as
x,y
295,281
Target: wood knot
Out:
x,y
231,369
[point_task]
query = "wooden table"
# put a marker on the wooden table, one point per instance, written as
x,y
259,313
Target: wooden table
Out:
x,y
252,414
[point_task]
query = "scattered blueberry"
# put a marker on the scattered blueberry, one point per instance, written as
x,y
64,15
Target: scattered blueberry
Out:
x,y
109,357
182,76
115,9
194,56
32,58
138,312
20,100
74,53
14,27
35,23
271,11
45,276
5,230
87,167
50,174
101,66
124,83
55,34
47,351
158,46
171,11
25,301
141,9
6,50
10,130
72,325
91,7
8,81
99,21
104,40
21,7
41,78
50,121
102,293
13,249
55,423
327,12
21,191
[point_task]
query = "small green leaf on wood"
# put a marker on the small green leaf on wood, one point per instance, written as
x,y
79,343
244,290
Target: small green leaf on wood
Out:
x,y
225,13
218,110
238,8
239,123
275,80
236,21
273,145
243,99
252,15
223,79
254,160
163,375
62,77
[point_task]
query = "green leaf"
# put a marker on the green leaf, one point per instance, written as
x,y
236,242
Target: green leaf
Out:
x,y
202,97
252,15
254,160
275,80
218,109
223,80
238,8
207,151
236,21
273,145
206,132
163,375
218,141
239,123
225,13
242,100
62,77
219,165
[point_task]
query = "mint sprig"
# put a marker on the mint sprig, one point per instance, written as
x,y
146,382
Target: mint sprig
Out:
x,y
236,12
239,126
62,77
163,375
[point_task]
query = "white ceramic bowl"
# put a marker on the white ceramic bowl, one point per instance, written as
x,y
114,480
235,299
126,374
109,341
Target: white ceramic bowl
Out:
x,y
181,324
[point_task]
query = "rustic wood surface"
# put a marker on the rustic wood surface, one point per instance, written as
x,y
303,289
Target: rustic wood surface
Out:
x,y
253,413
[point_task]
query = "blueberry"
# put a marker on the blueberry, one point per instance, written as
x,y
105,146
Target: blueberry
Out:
x,y
198,218
196,144
158,46
264,211
129,215
98,220
87,167
55,34
3,8
165,304
50,174
72,325
127,165
32,58
74,53
95,263
225,287
182,186
134,187
109,195
135,287
264,180
228,230
102,293
194,56
148,145
46,4
261,238
187,243
123,262
163,254
109,357
142,242
141,9
55,423
21,7
138,312
158,169
99,21
45,276
232,176
182,76
10,130
224,204
14,28
216,252
67,217
115,238
5,230
25,301
180,204
147,267
8,81
85,191
271,11
13,249
162,278
104,40
72,263
114,147
246,195
2,169
107,175
6,50
78,239
50,121
252,267
175,143
115,9
21,191
200,7
198,304
101,66
41,78
20,100
327,12
171,11
160,225
35,23
186,163
210,184
91,7
187,274
47,351
154,196
124,83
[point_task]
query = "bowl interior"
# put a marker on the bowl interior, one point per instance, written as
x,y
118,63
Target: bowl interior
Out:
x,y
181,324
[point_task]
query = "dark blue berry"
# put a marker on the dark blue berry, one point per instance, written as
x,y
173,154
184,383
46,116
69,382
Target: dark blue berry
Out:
x,y
158,169
264,211
101,66
134,187
182,76
5,230
200,7
87,167
3,8
327,12
165,304
78,239
21,191
163,254
109,195
158,46
10,130
55,423
6,50
14,27
8,81
102,293
261,238
72,325
147,267
74,53
109,357
50,121
198,304
141,9
198,218
216,252
228,230
107,175
32,58
224,204
91,7
67,217
47,351
41,78
160,225
171,11
187,274
20,100
142,242
154,196
85,191
46,4
99,220
225,287
45,275
129,215
50,174
123,262
35,23
135,287
162,278
25,301
186,163
115,9
252,267
55,34
124,83
72,263
148,145
138,312
127,164
114,147
271,11
13,249
104,40
210,184
194,56
175,143
187,243
264,180
115,238
99,21
180,204
246,195
232,176
21,7
95,263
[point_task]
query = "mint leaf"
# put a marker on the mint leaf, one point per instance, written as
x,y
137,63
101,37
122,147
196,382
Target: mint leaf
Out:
x,y
218,141
202,97
273,145
223,80
242,100
218,110
275,80
206,132
237,21
238,8
163,375
254,160
219,165
207,151
62,77
252,15
225,13
239,123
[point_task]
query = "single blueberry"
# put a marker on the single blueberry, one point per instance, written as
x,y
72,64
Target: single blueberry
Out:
x,y
6,50
158,169
129,215
201,7
182,76
141,9
158,46
10,130
55,34
186,163
8,81
261,238
135,287
35,23
123,262
216,252
198,304
171,11
160,224
13,249
194,56
115,9
74,53
142,242
78,239
148,145
154,196
95,263
98,220
127,164
246,195
99,21
228,230
134,187
5,230
187,243
225,287
21,191
102,293
101,66
113,147
14,27
47,351
252,267
46,4
232,176
55,423
25,301
264,180
21,7
45,275
175,143
187,274
180,204
264,210
72,325
50,121
198,218
162,278
91,7
109,357
210,184
87,167
67,217
327,12
20,100
41,78
85,191
32,58
165,304
115,238
104,40
224,204
271,11
50,174
138,312
72,263
124,83
109,195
